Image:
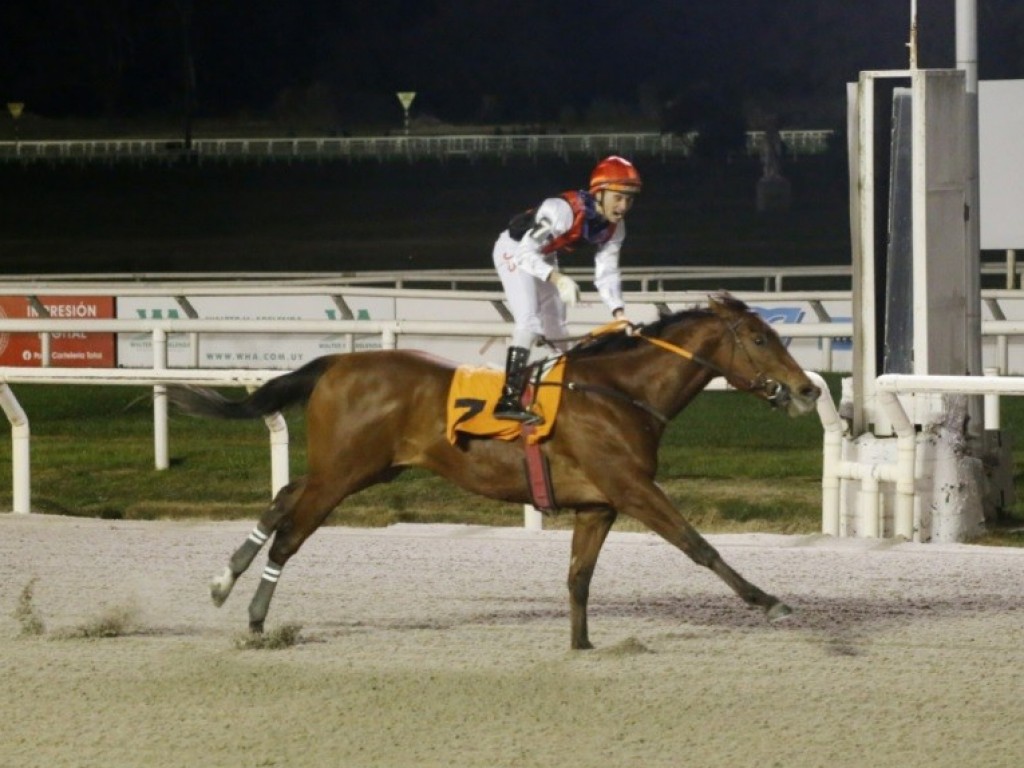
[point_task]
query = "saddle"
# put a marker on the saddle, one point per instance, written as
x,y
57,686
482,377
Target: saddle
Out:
x,y
475,391
471,400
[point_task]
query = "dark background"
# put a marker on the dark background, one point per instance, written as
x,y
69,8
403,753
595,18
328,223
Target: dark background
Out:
x,y
338,64
373,215
183,69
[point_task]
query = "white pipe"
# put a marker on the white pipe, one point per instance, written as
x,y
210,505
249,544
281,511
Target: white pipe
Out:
x,y
962,385
992,405
21,466
279,470
834,428
906,462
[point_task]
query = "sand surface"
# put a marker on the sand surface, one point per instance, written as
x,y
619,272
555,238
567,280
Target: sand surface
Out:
x,y
448,646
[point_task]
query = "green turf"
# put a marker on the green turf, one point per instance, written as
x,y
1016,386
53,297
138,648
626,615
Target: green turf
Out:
x,y
728,462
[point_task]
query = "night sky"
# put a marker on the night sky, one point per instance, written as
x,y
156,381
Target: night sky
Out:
x,y
339,64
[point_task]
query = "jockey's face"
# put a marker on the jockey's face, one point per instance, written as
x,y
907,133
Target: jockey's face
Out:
x,y
614,205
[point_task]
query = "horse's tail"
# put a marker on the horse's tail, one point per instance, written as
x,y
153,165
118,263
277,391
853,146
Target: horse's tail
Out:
x,y
275,395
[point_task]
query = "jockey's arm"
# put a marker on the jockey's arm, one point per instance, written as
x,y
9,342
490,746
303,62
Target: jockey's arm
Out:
x,y
607,276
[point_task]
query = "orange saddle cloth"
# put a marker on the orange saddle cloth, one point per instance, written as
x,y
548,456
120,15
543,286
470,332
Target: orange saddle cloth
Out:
x,y
475,391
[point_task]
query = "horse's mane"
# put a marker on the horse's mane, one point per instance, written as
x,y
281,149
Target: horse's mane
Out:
x,y
620,341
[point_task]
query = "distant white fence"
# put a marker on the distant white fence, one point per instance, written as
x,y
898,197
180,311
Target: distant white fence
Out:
x,y
769,277
324,148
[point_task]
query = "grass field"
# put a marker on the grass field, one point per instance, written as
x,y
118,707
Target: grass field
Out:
x,y
728,462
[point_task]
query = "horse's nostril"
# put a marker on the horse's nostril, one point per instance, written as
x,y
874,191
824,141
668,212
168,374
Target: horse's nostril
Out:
x,y
811,392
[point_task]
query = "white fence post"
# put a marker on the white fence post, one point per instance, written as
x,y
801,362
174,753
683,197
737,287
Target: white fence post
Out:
x,y
533,518
161,453
21,466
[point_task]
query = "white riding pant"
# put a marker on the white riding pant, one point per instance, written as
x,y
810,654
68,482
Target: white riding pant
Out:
x,y
535,305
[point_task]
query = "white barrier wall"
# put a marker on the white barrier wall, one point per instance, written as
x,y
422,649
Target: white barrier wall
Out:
x,y
269,350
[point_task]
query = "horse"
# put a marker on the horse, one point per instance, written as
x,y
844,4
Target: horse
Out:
x,y
372,414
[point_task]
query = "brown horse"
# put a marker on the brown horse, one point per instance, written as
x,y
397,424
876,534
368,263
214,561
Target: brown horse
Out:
x,y
372,414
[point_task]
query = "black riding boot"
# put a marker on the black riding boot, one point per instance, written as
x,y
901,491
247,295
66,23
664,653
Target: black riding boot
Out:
x,y
510,406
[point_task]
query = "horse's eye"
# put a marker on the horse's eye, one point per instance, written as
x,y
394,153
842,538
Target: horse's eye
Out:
x,y
760,340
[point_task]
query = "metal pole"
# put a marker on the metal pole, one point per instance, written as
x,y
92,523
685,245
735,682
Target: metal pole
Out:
x,y
912,45
967,60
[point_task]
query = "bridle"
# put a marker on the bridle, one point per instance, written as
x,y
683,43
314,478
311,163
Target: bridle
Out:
x,y
760,383
773,389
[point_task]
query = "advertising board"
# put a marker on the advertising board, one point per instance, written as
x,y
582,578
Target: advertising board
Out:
x,y
72,349
269,350
250,350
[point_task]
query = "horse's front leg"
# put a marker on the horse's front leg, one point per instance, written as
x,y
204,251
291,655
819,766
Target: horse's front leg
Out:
x,y
644,501
589,532
222,584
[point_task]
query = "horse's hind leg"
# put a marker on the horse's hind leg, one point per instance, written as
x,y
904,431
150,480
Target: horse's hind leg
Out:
x,y
222,584
589,532
313,504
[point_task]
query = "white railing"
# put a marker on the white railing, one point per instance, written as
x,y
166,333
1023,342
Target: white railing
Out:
x,y
387,330
772,277
902,472
160,374
21,471
393,285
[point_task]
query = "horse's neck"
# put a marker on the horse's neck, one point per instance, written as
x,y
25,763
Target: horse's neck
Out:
x,y
704,339
681,383
664,379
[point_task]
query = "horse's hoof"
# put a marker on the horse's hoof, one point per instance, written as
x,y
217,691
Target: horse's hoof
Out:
x,y
256,627
220,587
778,612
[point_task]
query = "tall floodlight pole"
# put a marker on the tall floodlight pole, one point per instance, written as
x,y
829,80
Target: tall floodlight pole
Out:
x,y
967,60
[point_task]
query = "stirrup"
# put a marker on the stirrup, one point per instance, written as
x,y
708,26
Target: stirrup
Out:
x,y
515,412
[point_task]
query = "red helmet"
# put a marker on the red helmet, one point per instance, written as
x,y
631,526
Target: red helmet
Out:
x,y
615,173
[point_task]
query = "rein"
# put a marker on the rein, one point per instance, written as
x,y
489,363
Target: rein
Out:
x,y
752,385
761,382
597,389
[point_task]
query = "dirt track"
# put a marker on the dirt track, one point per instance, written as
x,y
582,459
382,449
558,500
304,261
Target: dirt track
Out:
x,y
446,645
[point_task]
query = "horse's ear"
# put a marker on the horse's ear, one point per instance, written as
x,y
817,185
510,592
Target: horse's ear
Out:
x,y
721,302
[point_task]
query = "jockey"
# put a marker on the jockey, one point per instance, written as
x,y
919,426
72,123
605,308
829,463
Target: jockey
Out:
x,y
526,257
